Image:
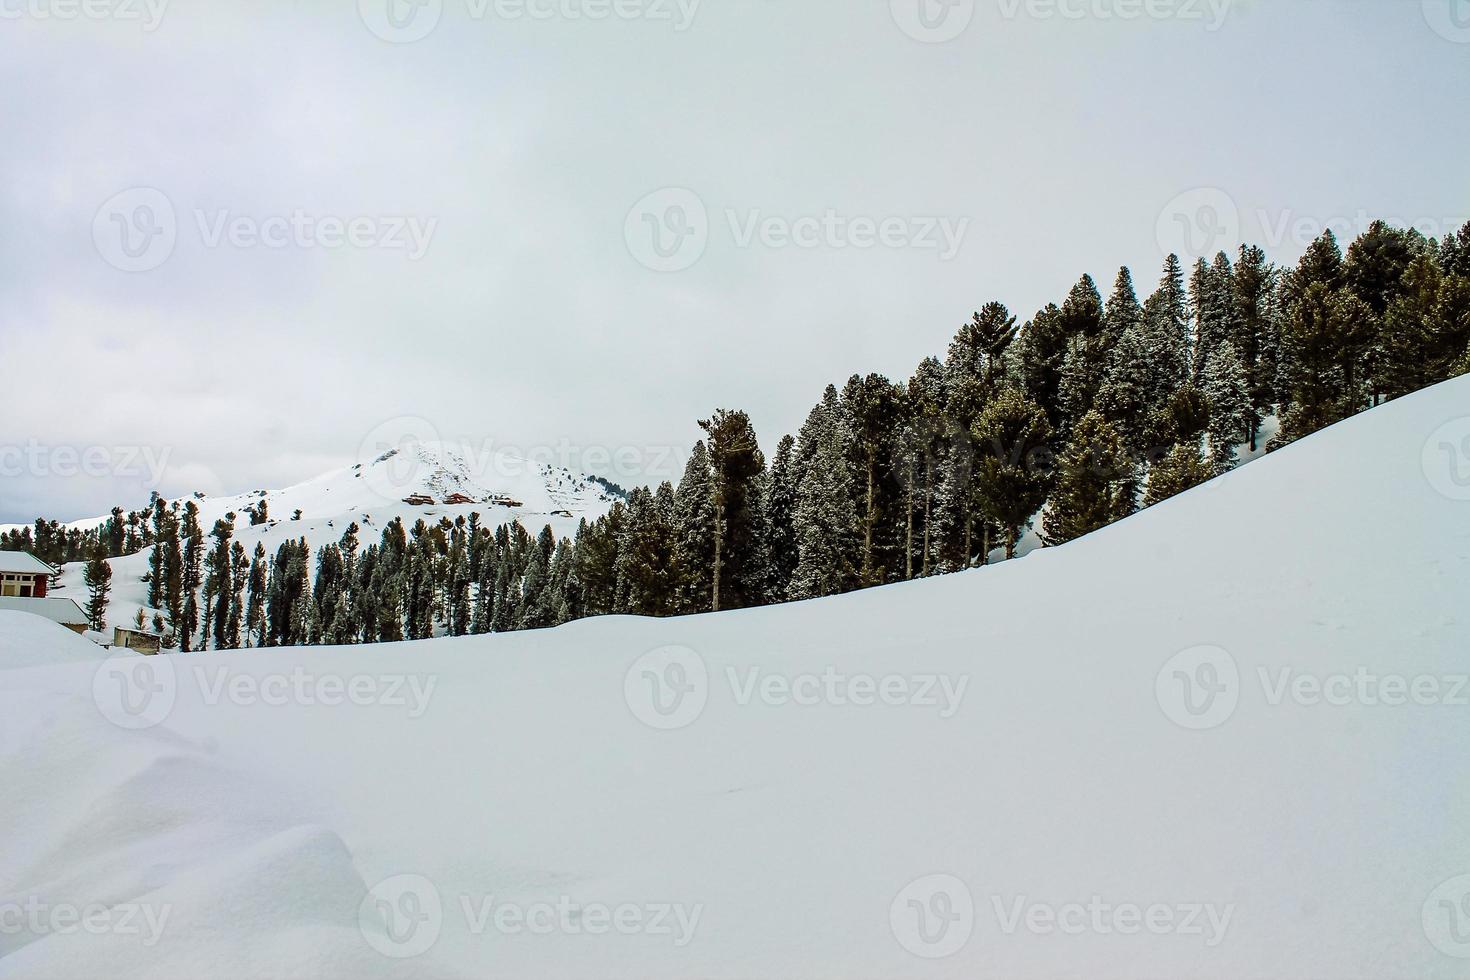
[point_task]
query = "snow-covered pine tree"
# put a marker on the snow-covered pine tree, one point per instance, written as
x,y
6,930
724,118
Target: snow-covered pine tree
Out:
x,y
1177,472
694,529
97,576
1011,476
1123,311
872,411
736,465
1097,482
1228,391
826,520
926,414
780,518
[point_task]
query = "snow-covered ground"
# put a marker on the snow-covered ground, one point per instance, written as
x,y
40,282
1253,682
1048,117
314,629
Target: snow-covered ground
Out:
x,y
505,488
1224,738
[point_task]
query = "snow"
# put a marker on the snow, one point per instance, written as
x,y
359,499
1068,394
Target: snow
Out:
x,y
372,493
991,774
29,640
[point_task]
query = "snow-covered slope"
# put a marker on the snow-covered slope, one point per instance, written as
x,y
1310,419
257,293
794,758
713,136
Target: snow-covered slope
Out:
x,y
501,486
1225,738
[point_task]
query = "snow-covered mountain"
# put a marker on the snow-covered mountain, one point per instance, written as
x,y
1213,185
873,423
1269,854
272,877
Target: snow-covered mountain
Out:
x,y
1223,738
413,481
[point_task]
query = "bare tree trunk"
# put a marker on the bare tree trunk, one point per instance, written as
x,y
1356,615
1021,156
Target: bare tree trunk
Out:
x,y
1010,543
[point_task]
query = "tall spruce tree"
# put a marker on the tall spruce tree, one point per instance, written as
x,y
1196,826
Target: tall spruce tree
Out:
x,y
1097,482
1011,473
97,576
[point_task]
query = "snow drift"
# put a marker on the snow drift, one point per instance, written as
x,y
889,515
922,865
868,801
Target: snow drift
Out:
x,y
1224,738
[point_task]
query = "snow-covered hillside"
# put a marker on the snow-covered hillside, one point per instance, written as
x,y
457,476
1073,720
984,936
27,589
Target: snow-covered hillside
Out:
x,y
1224,738
499,486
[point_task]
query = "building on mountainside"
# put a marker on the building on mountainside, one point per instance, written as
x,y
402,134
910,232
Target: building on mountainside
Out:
x,y
145,642
55,608
418,500
23,575
501,500
460,498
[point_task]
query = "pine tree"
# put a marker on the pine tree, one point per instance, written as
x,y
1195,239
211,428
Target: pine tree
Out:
x,y
1011,476
736,465
781,517
872,410
1097,482
235,617
1123,311
222,570
1166,332
1125,397
978,349
193,573
1177,472
97,576
694,527
255,610
926,426
1228,391
826,521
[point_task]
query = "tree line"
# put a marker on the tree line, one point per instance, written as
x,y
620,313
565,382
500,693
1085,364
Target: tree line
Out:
x,y
1091,409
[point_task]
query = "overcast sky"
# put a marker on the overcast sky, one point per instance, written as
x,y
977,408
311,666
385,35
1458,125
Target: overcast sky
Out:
x,y
238,241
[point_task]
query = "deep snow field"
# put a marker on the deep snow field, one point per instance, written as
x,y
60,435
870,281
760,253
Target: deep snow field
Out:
x,y
1224,738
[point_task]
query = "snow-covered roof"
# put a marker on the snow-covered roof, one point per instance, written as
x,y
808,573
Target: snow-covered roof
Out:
x,y
23,562
58,609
